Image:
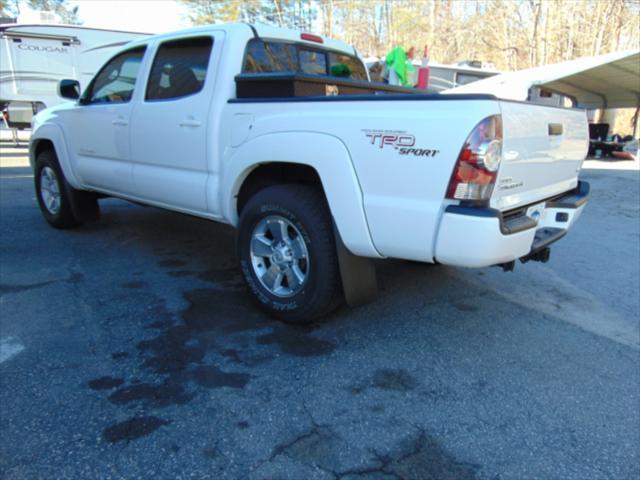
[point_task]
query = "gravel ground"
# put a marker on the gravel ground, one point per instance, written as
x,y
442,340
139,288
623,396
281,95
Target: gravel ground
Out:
x,y
130,348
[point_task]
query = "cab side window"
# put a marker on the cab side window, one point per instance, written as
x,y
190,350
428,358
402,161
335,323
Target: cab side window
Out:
x,y
117,79
179,68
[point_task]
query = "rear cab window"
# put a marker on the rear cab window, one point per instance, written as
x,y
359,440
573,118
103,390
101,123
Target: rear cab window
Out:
x,y
179,68
267,56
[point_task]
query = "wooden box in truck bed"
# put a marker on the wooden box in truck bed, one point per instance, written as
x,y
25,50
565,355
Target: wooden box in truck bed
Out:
x,y
269,85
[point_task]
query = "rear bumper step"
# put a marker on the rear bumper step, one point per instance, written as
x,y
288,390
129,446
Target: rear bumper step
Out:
x,y
573,199
502,237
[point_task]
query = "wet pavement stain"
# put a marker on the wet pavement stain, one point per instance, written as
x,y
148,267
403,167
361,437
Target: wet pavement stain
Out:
x,y
177,353
210,453
319,446
465,307
246,358
105,383
150,395
417,457
398,380
133,428
295,341
74,278
210,376
230,310
134,285
423,457
227,277
172,351
182,273
172,263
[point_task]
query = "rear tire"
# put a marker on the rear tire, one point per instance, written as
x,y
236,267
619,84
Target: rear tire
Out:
x,y
288,253
61,205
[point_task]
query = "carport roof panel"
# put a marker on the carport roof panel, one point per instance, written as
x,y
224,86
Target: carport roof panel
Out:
x,y
610,81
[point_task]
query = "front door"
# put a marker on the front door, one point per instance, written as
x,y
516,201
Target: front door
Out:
x,y
169,126
99,125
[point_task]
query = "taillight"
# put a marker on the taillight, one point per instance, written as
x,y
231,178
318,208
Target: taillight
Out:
x,y
474,175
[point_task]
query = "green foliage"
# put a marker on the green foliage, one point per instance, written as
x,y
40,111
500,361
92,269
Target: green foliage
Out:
x,y
285,13
9,8
61,8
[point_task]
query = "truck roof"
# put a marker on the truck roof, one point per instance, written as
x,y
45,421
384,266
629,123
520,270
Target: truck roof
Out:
x,y
263,31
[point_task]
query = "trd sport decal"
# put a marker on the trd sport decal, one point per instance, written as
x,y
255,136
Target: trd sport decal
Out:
x,y
403,142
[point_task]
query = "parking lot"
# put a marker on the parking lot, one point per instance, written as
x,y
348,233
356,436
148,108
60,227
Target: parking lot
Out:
x,y
129,348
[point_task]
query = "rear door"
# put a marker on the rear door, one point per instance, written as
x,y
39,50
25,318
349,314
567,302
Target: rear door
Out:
x,y
542,153
169,126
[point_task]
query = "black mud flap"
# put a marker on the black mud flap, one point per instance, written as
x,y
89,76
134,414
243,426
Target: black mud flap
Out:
x,y
359,281
84,205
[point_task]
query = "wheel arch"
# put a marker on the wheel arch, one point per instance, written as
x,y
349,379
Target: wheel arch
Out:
x,y
50,136
275,173
303,157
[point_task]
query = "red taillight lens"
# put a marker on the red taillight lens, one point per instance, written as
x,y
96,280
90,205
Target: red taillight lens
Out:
x,y
476,169
310,37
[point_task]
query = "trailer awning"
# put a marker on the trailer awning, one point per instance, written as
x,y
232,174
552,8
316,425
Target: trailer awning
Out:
x,y
606,81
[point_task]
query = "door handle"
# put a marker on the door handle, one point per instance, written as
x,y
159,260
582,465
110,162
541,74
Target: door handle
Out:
x,y
190,122
555,129
120,122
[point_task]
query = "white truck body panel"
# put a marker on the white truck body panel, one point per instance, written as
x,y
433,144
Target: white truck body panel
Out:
x,y
535,164
393,201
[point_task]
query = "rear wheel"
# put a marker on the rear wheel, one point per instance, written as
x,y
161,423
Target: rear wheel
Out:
x,y
287,252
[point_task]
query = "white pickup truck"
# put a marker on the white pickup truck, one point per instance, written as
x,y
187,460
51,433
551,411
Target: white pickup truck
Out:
x,y
280,134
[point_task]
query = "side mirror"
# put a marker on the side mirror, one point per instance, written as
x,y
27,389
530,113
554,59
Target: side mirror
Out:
x,y
69,89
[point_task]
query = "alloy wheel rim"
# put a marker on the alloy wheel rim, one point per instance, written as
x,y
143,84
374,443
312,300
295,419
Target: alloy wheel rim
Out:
x,y
279,256
50,190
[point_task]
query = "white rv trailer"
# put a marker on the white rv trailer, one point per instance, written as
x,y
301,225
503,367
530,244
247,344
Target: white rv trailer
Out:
x,y
443,77
34,58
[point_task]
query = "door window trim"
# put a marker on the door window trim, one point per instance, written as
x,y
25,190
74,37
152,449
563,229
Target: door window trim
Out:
x,y
86,96
155,55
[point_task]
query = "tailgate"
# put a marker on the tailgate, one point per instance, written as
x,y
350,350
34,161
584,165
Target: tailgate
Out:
x,y
542,153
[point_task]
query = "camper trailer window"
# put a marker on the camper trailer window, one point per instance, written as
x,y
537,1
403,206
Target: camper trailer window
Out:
x,y
465,78
179,68
115,82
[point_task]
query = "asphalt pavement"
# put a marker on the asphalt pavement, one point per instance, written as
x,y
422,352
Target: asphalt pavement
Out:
x,y
130,348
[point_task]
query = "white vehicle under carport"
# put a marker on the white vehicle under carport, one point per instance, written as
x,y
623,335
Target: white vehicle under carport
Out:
x,y
319,173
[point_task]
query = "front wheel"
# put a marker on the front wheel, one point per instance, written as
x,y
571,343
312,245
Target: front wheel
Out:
x,y
287,252
51,192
